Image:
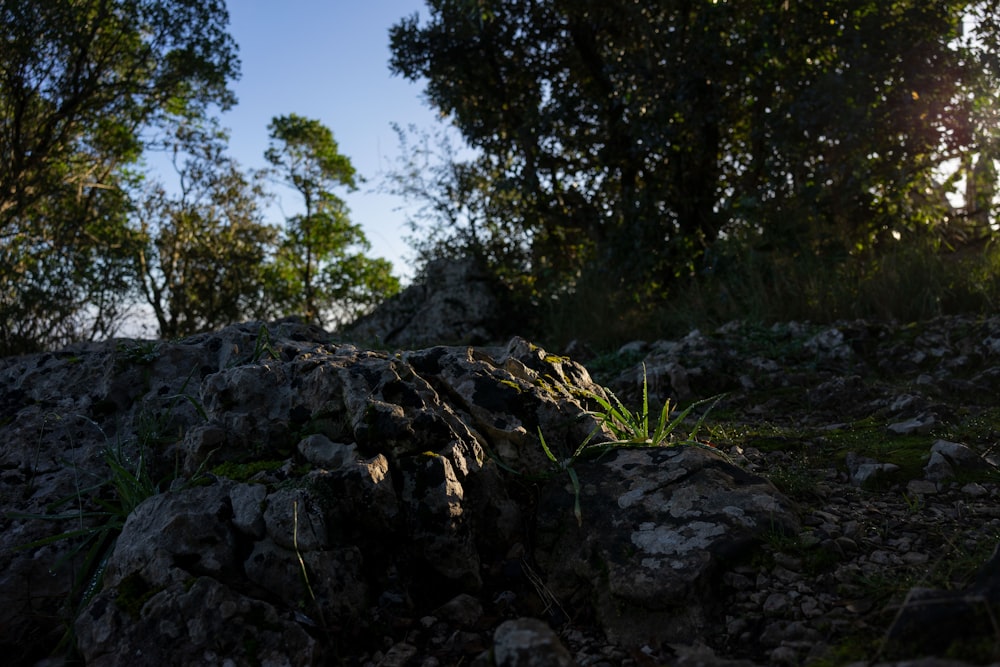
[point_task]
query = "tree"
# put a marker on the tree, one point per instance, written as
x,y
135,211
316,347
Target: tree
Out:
x,y
320,272
202,265
81,81
461,211
639,133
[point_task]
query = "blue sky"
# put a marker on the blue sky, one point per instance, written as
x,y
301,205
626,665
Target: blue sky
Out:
x,y
328,60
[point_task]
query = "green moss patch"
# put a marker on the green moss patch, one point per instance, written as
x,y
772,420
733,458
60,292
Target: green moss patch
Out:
x,y
133,593
242,472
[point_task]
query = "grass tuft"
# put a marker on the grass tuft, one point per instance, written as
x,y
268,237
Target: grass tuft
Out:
x,y
628,429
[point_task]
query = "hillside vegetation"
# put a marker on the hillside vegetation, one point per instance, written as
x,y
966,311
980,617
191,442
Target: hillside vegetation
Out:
x,y
622,169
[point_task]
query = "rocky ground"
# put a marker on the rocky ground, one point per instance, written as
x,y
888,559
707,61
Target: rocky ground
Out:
x,y
886,436
882,436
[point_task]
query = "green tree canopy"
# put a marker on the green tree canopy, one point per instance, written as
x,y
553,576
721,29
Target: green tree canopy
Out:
x,y
82,83
637,134
202,263
320,271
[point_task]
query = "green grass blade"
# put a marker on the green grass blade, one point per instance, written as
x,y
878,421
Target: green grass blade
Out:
x,y
54,506
672,425
701,420
55,517
644,433
545,447
577,512
196,404
661,432
68,535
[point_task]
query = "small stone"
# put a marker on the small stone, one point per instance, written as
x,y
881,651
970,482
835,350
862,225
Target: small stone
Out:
x,y
808,540
737,626
863,469
974,489
248,517
904,402
920,424
810,607
958,454
784,575
781,632
921,487
636,347
398,655
528,642
880,557
788,562
846,545
775,603
462,610
785,655
737,581
938,468
324,453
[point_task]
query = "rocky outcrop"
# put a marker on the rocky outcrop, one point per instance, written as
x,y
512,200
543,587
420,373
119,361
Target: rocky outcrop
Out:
x,y
453,301
886,435
284,499
660,526
268,495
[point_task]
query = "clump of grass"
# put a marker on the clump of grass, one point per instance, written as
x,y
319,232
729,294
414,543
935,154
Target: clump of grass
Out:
x,y
628,429
99,510
633,428
95,531
263,347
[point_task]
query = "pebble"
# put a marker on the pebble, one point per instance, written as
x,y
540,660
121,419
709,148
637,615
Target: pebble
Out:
x,y
974,489
915,558
785,655
775,603
921,487
810,607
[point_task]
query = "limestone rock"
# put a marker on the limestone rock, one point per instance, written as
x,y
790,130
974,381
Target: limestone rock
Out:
x,y
922,423
948,458
176,535
195,622
313,502
528,642
453,302
269,517
864,469
954,623
658,526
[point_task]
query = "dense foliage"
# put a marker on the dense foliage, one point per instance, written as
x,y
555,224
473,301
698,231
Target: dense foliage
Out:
x,y
638,144
202,260
625,159
80,81
320,271
90,92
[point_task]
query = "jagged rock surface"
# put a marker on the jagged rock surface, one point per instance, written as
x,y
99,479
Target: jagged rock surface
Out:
x,y
923,401
326,494
332,503
453,301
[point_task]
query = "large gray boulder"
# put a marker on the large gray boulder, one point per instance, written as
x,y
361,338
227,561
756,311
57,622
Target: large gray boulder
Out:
x,y
453,301
659,527
308,498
